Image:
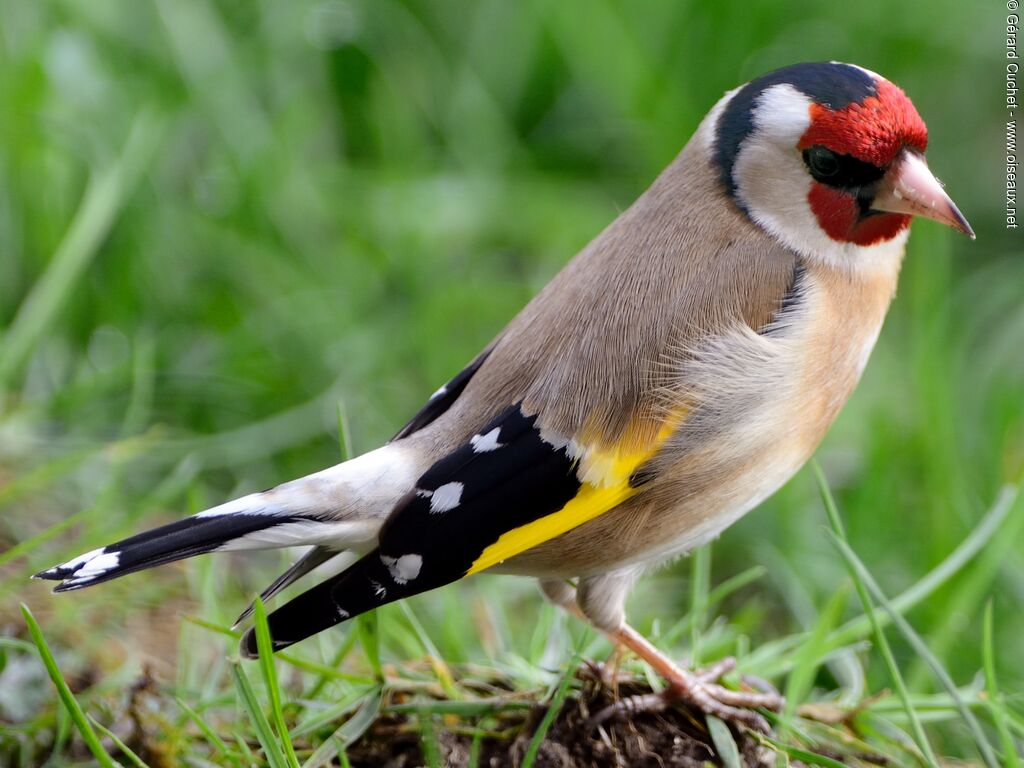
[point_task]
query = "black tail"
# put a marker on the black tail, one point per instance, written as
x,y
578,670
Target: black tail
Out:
x,y
367,584
175,541
316,557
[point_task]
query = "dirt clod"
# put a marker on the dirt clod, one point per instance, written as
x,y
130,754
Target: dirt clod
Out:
x,y
674,738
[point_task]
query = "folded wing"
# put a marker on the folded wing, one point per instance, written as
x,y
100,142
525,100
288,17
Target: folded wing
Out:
x,y
509,487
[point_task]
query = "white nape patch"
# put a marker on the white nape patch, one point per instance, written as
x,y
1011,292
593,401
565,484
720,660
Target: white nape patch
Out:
x,y
403,569
773,184
486,443
98,565
446,498
442,391
782,114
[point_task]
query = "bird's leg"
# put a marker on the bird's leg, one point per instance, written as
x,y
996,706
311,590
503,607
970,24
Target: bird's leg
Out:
x,y
599,601
699,688
562,593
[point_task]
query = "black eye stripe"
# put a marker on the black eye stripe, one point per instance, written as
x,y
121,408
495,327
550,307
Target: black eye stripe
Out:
x,y
843,171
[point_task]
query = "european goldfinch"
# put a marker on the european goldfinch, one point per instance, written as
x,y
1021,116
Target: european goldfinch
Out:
x,y
672,376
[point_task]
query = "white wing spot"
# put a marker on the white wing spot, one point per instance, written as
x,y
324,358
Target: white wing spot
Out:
x,y
488,442
403,569
343,614
378,588
443,390
446,498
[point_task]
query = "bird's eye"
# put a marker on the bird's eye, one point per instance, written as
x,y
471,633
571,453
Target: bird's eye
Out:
x,y
842,171
823,163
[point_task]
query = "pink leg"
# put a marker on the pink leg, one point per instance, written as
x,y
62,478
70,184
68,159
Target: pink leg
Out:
x,y
697,688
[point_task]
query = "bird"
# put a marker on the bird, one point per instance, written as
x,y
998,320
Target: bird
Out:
x,y
673,375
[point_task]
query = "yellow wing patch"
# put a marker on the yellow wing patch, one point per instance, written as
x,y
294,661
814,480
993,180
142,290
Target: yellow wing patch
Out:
x,y
605,476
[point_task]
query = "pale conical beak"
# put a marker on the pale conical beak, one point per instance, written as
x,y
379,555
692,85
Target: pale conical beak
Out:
x,y
909,187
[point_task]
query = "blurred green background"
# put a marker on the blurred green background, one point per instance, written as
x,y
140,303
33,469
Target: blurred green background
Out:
x,y
219,219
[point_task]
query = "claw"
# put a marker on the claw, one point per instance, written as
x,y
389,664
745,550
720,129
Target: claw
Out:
x,y
699,689
762,685
716,671
631,705
710,698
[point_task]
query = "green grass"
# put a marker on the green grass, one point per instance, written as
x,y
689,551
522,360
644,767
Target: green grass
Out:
x,y
219,222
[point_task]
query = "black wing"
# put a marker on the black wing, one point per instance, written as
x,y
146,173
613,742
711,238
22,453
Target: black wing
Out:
x,y
442,400
504,477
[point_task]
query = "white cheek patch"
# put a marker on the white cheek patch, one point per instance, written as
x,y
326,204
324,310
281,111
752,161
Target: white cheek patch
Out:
x,y
771,181
773,185
789,111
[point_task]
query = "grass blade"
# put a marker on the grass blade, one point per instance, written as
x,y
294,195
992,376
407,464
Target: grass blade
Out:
x,y
715,596
74,709
266,654
368,629
444,675
247,755
428,740
700,580
996,703
724,743
347,734
137,761
811,655
208,732
307,666
803,755
275,757
869,609
336,661
553,709
859,628
972,590
775,658
323,718
922,649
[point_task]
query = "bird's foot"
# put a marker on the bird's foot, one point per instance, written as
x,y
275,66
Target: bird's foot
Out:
x,y
701,690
